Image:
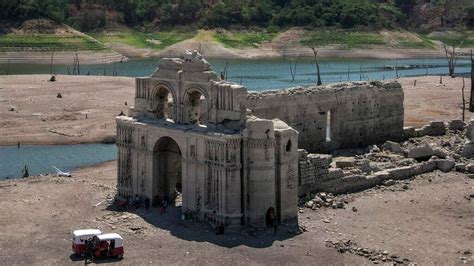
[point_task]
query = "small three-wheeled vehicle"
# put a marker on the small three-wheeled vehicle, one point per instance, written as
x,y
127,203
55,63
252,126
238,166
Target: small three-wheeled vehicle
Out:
x,y
108,245
79,238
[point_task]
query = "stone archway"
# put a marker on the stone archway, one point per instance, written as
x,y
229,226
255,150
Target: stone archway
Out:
x,y
167,172
195,107
163,103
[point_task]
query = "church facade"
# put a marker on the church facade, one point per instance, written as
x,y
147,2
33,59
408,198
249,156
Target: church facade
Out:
x,y
190,134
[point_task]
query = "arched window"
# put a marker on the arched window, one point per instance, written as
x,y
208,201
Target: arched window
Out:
x,y
288,145
195,107
162,104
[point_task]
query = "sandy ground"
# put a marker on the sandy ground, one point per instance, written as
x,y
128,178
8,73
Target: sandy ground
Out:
x,y
39,117
429,100
61,58
430,222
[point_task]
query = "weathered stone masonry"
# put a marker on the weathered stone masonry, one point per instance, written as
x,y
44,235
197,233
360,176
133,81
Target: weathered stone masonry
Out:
x,y
189,133
337,116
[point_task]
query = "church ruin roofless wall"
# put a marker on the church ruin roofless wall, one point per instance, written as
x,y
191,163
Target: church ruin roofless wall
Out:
x,y
336,116
189,132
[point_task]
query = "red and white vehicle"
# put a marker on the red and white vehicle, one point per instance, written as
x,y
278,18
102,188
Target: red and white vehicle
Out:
x,y
108,245
79,238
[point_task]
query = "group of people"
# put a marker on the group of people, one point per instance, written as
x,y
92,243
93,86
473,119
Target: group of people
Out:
x,y
139,201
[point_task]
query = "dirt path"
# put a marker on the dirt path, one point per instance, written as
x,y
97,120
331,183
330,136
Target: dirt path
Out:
x,y
39,117
430,222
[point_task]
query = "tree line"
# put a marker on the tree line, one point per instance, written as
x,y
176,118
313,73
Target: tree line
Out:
x,y
218,13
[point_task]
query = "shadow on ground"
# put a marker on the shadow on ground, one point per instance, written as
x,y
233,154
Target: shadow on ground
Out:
x,y
201,232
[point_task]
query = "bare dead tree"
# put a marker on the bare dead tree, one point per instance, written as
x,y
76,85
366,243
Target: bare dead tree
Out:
x,y
78,64
318,71
104,60
463,100
396,68
471,100
224,73
292,69
452,60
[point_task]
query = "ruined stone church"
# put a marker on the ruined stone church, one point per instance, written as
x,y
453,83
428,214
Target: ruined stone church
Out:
x,y
189,134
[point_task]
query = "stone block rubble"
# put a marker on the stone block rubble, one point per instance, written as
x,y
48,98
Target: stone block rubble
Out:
x,y
436,146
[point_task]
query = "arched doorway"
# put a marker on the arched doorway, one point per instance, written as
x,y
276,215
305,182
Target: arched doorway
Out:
x,y
195,107
270,217
167,176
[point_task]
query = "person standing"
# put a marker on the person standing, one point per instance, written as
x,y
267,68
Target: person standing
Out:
x,y
147,203
164,204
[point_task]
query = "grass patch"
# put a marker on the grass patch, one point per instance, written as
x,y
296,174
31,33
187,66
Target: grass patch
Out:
x,y
458,39
244,39
411,44
137,39
345,39
48,42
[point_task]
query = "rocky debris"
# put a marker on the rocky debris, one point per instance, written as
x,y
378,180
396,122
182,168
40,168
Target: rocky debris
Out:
x,y
12,109
422,152
460,167
466,256
440,153
52,79
470,168
376,256
344,162
327,200
392,146
59,95
456,125
389,182
445,165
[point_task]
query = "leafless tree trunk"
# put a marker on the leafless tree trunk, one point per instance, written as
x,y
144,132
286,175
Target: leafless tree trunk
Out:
x,y
452,60
318,71
463,100
396,68
224,73
105,64
471,100
292,69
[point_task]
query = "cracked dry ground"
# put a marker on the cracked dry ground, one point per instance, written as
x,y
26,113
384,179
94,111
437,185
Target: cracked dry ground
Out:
x,y
424,221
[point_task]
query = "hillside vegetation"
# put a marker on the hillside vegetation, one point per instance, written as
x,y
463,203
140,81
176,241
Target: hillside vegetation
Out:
x,y
89,15
25,25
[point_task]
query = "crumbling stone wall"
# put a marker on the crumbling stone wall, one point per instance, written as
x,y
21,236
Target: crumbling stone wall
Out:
x,y
357,113
313,169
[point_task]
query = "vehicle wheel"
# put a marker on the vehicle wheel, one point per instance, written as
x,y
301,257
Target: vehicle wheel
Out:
x,y
120,256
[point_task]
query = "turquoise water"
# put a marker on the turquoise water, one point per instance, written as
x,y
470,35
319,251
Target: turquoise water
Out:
x,y
264,74
261,74
41,159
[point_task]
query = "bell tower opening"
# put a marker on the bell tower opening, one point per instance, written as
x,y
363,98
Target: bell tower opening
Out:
x,y
195,107
162,104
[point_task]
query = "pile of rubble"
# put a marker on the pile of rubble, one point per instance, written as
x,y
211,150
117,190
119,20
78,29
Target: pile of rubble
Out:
x,y
447,147
376,256
327,200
